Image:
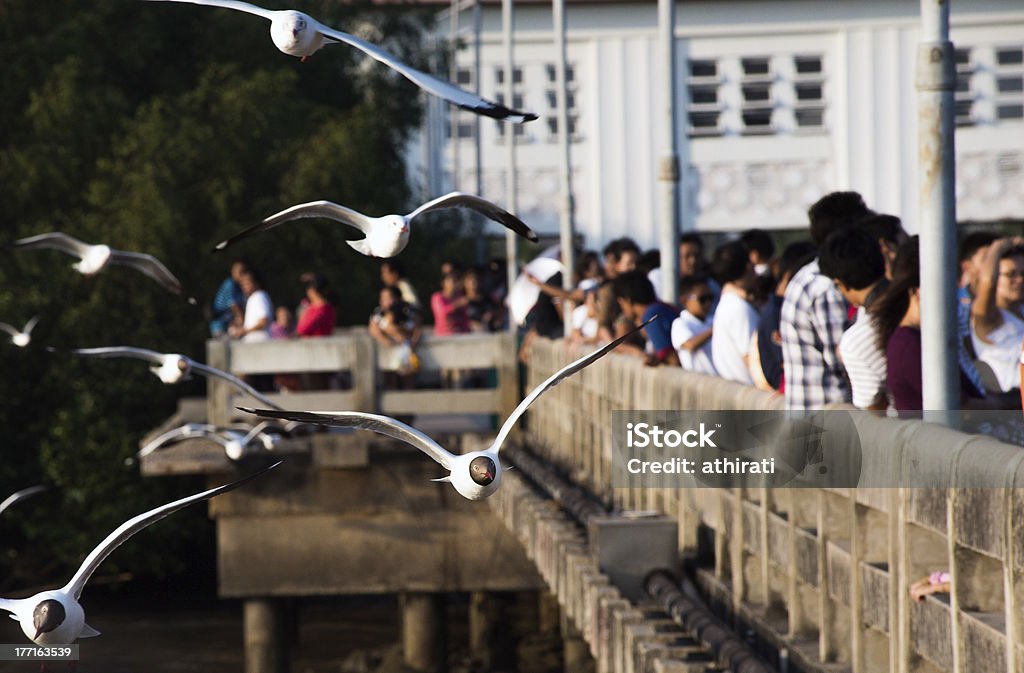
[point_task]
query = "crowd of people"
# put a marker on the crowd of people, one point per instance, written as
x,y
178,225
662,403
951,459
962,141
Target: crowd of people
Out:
x,y
835,317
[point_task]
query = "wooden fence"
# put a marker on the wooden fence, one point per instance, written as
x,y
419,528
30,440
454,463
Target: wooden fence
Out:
x,y
824,572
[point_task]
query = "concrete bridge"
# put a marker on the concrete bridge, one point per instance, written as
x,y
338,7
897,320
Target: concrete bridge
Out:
x,y
813,579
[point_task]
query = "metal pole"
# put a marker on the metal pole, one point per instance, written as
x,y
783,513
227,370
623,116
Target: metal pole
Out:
x,y
481,242
565,164
668,169
511,244
936,78
453,75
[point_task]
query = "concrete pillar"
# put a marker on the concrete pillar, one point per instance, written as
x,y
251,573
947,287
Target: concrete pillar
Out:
x,y
548,613
491,645
266,649
424,638
575,653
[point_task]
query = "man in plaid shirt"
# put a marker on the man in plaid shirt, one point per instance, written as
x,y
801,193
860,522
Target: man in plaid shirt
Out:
x,y
815,315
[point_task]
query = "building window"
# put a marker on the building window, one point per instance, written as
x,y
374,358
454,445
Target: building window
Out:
x,y
963,98
517,75
551,98
464,77
756,95
1009,89
704,107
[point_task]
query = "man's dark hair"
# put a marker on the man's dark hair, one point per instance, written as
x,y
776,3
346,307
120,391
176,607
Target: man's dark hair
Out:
x,y
835,211
615,249
730,262
884,227
649,260
693,238
796,256
759,241
634,287
852,257
687,283
974,242
395,266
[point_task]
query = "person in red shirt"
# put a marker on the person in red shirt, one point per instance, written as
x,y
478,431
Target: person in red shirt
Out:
x,y
449,306
318,317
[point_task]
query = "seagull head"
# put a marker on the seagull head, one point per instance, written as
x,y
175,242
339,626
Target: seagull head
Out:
x,y
295,33
173,368
21,340
47,616
482,470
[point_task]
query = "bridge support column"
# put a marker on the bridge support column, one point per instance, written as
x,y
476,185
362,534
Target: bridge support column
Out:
x,y
575,653
490,646
266,649
424,640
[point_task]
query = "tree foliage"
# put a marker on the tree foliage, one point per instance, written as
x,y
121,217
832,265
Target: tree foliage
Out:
x,y
164,128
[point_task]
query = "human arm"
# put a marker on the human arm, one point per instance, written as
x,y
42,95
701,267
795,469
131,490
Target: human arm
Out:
x,y
938,582
985,314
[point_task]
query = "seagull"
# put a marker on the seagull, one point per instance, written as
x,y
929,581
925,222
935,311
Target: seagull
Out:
x,y
94,258
172,367
298,34
23,337
55,617
475,475
388,235
23,494
235,442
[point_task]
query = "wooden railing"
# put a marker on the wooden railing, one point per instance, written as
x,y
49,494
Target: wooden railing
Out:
x,y
357,355
824,572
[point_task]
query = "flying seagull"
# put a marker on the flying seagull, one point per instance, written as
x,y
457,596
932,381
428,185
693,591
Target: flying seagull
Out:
x,y
388,235
172,367
474,475
55,617
23,494
301,35
235,442
94,258
20,338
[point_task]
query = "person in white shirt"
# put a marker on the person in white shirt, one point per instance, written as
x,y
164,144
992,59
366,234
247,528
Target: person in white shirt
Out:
x,y
692,330
735,317
997,315
855,263
259,310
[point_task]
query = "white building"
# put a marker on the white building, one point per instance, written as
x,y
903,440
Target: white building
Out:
x,y
779,102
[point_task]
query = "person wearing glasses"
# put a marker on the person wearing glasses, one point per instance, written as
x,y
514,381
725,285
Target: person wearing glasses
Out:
x,y
691,331
997,314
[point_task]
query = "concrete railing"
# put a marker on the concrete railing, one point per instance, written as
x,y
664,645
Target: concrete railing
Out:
x,y
823,572
357,355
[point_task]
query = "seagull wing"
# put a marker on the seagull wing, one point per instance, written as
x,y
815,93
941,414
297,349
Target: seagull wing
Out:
x,y
150,266
331,211
557,378
30,325
175,435
480,205
13,331
54,240
384,425
18,496
135,524
232,4
121,352
233,380
438,87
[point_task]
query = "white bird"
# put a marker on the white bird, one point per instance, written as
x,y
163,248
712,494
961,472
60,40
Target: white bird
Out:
x,y
20,338
172,367
236,442
475,475
94,258
23,494
388,235
55,617
301,35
